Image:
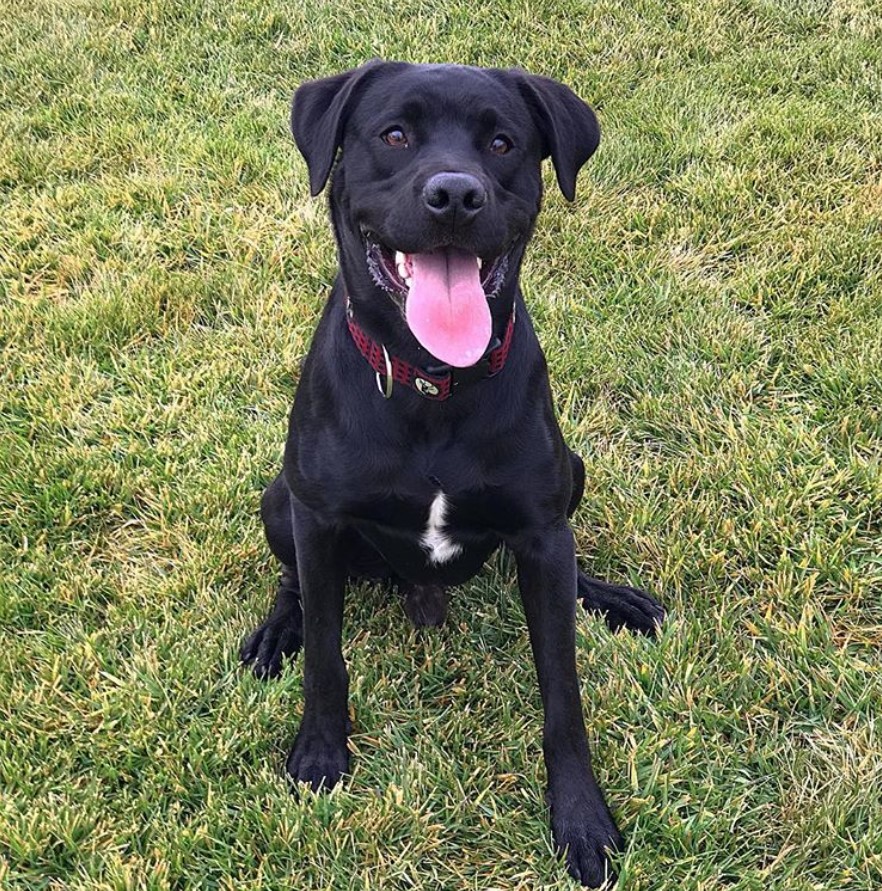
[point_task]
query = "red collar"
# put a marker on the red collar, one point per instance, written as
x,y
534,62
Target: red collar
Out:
x,y
435,382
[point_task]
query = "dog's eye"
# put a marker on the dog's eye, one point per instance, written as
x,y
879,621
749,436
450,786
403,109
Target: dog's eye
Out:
x,y
395,137
500,145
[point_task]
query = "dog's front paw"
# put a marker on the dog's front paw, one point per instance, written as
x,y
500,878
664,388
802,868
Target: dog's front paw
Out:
x,y
317,758
279,636
585,832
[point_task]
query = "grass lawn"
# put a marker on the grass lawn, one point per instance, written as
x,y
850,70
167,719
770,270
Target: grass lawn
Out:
x,y
711,308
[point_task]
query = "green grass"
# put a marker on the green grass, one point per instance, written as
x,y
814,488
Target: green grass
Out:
x,y
711,312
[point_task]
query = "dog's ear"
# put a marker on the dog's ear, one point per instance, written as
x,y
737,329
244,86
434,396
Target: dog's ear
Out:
x,y
568,126
318,117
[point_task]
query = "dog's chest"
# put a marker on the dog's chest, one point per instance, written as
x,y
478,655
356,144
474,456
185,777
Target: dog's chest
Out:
x,y
434,511
439,524
435,536
437,539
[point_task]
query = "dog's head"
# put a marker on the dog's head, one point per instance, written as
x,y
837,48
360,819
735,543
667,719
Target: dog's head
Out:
x,y
438,185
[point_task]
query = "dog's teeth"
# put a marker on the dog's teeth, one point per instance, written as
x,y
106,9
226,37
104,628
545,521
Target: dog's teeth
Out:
x,y
480,263
407,280
402,270
400,259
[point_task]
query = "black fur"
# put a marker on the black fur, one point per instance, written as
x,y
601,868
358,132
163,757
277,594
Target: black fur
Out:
x,y
360,471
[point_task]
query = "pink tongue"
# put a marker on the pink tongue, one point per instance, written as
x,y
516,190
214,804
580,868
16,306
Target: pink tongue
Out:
x,y
446,308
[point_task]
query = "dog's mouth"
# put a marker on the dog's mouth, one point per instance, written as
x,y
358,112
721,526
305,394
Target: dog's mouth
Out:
x,y
393,270
444,296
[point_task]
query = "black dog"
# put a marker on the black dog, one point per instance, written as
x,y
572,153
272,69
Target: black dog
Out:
x,y
422,434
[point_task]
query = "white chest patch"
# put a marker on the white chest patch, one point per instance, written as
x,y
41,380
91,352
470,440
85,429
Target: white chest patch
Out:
x,y
435,540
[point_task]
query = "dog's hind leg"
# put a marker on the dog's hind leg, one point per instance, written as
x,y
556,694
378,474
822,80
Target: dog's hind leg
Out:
x,y
281,634
577,468
620,606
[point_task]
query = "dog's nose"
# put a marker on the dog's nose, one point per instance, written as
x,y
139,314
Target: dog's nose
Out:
x,y
454,195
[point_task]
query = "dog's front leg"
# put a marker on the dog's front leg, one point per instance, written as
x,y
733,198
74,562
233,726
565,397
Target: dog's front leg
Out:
x,y
580,819
319,756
